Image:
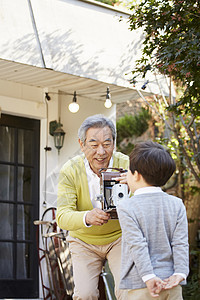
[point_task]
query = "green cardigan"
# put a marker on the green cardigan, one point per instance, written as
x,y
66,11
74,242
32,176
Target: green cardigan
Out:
x,y
74,200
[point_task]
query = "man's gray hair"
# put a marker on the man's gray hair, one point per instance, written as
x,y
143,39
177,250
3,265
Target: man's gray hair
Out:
x,y
96,121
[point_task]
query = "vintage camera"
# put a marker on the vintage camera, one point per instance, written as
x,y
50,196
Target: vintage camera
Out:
x,y
111,190
119,192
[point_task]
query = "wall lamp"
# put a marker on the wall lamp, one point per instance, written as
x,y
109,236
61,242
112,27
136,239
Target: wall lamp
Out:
x,y
73,106
58,134
108,102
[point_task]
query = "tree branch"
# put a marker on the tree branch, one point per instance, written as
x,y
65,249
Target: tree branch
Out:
x,y
187,159
156,111
193,142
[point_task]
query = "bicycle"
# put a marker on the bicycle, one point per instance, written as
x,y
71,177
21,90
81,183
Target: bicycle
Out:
x,y
55,252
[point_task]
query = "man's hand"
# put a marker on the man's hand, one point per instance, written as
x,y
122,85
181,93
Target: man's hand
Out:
x,y
173,281
155,285
97,217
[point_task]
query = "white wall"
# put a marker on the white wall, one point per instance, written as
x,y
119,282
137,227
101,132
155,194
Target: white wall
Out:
x,y
21,100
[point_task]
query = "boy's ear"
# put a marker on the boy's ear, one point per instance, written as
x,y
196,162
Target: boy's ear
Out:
x,y
136,175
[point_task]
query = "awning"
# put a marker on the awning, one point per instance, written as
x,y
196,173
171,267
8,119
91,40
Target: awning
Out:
x,y
64,83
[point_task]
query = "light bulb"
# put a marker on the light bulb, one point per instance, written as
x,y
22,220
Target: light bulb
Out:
x,y
108,103
73,107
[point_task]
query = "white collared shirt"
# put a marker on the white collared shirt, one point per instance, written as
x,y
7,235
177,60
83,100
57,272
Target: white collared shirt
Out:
x,y
93,185
148,189
145,190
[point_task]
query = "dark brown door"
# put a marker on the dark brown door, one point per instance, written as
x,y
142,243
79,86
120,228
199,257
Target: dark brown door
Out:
x,y
19,206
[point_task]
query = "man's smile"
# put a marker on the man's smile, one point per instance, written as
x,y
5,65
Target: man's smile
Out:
x,y
100,159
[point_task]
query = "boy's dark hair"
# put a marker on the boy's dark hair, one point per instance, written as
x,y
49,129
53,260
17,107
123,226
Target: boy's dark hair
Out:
x,y
153,162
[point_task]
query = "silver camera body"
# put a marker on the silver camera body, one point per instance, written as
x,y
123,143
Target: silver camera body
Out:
x,y
119,192
111,191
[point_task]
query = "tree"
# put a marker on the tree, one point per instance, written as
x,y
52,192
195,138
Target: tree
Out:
x,y
172,44
131,126
172,47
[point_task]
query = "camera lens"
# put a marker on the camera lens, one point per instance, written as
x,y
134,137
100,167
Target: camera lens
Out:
x,y
120,195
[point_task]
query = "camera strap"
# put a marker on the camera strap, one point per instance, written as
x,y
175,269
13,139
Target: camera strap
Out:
x,y
121,170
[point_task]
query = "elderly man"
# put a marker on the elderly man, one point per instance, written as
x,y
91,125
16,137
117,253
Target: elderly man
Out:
x,y
93,236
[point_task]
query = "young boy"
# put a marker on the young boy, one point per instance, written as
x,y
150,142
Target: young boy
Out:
x,y
155,248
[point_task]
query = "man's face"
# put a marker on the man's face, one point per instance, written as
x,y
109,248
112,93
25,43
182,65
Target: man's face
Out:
x,y
98,147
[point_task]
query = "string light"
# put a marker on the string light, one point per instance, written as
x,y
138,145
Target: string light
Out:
x,y
108,102
73,106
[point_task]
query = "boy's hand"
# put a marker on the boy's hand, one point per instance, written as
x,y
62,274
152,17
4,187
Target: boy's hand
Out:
x,y
122,178
172,281
155,285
